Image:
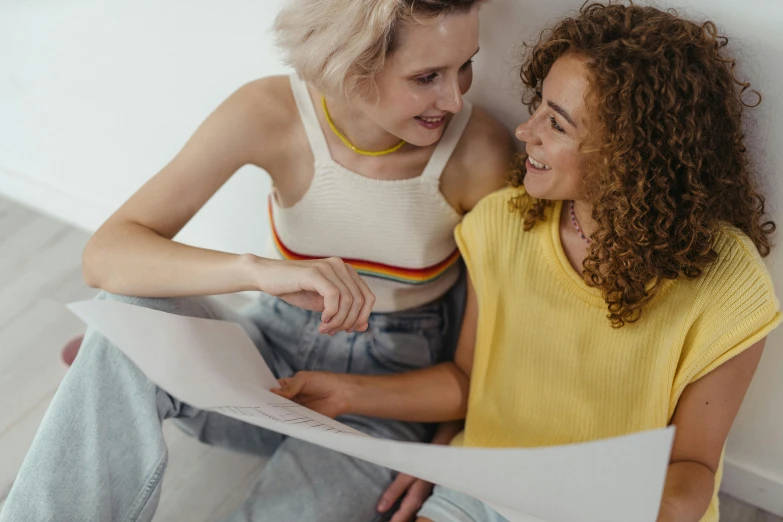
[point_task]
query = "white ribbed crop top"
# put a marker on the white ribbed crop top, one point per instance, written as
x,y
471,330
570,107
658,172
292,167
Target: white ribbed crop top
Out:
x,y
398,234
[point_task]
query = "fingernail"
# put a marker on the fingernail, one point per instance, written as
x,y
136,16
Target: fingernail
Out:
x,y
383,505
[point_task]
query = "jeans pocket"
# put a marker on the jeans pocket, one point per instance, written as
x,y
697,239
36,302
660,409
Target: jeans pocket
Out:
x,y
403,347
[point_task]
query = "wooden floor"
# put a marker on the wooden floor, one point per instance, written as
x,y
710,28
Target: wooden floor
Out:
x,y
39,273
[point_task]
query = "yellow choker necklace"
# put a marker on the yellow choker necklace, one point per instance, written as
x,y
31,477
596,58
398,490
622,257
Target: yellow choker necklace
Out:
x,y
351,145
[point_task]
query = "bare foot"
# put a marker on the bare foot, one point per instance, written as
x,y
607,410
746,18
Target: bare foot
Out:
x,y
71,349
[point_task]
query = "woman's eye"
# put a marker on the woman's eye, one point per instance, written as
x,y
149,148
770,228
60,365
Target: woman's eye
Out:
x,y
427,79
467,64
553,122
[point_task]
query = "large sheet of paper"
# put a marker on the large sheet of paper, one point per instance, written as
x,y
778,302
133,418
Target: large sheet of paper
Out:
x,y
213,365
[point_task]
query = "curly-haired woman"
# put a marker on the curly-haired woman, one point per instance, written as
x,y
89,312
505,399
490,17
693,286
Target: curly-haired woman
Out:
x,y
619,285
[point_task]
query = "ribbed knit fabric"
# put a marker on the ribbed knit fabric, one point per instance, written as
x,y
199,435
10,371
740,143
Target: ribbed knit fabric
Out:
x,y
398,234
549,368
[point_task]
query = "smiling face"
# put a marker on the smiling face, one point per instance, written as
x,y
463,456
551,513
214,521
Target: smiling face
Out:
x,y
423,80
556,131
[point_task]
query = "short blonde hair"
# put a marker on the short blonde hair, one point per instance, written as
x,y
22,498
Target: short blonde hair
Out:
x,y
340,45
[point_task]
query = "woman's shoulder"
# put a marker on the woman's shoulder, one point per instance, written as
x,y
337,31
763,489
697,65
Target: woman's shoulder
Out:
x,y
496,214
486,144
507,201
482,160
267,99
733,245
263,114
484,132
733,305
738,263
490,237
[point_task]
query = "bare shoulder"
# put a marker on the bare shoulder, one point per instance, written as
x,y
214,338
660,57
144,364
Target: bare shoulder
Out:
x,y
262,113
481,164
487,146
272,94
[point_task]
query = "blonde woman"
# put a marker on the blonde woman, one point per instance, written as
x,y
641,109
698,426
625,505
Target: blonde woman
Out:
x,y
375,157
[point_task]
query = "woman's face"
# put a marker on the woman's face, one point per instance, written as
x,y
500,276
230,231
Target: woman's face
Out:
x,y
554,133
423,81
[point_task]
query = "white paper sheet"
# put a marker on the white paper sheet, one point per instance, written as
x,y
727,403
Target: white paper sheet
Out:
x,y
214,365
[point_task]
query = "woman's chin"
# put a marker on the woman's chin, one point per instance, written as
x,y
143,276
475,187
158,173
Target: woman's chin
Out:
x,y
423,137
535,188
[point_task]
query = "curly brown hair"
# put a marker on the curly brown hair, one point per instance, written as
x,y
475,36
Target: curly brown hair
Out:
x,y
669,166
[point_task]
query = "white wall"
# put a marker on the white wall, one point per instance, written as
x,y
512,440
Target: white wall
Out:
x,y
96,96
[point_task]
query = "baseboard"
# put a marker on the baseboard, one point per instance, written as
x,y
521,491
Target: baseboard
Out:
x,y
752,486
53,201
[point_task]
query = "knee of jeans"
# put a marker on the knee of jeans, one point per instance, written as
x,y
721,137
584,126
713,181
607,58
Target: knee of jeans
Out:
x,y
188,306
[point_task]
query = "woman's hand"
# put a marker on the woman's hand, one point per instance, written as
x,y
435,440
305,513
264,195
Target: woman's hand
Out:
x,y
326,393
330,286
415,492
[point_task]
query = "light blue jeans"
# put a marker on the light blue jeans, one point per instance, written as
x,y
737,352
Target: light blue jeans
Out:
x,y
99,454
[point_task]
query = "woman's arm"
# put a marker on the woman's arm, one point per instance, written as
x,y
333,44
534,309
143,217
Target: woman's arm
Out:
x,y
132,252
703,419
435,394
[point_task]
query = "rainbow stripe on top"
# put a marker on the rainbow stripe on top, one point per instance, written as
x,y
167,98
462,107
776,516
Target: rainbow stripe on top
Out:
x,y
410,276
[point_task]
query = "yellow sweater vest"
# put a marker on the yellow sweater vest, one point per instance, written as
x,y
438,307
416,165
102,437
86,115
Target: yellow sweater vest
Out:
x,y
549,368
